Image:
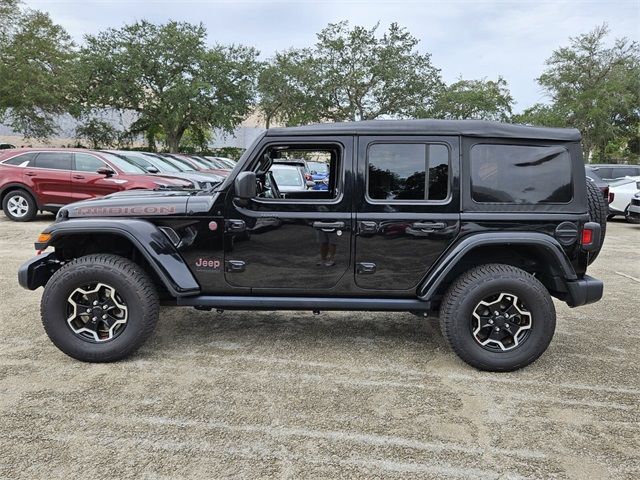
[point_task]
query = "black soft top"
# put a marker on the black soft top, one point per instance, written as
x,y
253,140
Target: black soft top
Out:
x,y
468,128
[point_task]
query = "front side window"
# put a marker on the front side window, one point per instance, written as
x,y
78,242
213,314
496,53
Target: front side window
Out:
x,y
408,172
88,163
53,160
285,167
520,174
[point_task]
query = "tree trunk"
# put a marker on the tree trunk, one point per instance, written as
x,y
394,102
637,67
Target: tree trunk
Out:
x,y
173,140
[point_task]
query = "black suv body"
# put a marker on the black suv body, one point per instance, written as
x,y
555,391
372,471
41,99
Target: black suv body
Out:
x,y
479,222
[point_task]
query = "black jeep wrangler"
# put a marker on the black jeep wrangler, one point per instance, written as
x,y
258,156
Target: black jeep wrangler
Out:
x,y
479,222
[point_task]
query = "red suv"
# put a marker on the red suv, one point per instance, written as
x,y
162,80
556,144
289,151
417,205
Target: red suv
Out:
x,y
46,179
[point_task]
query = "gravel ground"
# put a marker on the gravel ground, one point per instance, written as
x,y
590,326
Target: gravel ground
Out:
x,y
293,395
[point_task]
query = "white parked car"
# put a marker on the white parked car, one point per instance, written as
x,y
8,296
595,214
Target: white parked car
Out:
x,y
622,191
633,214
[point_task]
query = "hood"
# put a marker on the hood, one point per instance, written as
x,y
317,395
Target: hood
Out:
x,y
130,203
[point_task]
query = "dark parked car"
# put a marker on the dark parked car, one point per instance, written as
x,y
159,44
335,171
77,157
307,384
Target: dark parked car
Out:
x,y
46,179
598,182
480,223
6,146
197,164
157,165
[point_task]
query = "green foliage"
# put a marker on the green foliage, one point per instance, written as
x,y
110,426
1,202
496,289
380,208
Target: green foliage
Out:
x,y
596,89
168,75
99,133
473,99
350,74
35,60
541,115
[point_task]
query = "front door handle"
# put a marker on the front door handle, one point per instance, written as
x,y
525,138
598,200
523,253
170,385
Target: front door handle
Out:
x,y
429,226
235,226
328,226
235,266
79,177
31,174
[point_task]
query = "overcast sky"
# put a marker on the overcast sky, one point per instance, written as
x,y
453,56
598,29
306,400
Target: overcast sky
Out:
x,y
472,39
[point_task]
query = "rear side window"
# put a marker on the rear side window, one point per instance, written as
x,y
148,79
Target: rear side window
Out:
x,y
408,171
53,160
520,174
88,163
21,160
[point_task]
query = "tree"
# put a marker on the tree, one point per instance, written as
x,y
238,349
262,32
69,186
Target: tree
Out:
x,y
350,74
168,75
99,133
473,99
596,88
35,60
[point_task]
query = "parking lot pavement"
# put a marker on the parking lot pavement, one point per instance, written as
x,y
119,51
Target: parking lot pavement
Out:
x,y
293,395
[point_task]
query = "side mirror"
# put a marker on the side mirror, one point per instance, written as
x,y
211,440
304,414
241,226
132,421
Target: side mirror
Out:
x,y
106,171
311,184
152,169
245,185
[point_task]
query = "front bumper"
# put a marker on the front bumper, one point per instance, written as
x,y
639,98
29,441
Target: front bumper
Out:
x,y
37,271
584,291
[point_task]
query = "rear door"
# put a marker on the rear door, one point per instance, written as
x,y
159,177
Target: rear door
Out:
x,y
408,208
49,175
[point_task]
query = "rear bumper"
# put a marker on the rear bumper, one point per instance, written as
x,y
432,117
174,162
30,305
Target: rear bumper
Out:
x,y
584,291
37,271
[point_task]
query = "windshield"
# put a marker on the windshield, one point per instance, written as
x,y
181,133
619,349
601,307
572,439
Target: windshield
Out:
x,y
202,163
287,176
183,163
123,164
163,164
318,167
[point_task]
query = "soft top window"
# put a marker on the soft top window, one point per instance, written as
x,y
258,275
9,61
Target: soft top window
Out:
x,y
520,174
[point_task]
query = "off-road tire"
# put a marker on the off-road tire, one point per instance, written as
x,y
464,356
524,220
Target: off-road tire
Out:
x,y
32,207
131,283
598,212
469,289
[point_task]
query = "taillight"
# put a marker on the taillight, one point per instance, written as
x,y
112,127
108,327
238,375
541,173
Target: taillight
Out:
x,y
587,237
611,196
606,193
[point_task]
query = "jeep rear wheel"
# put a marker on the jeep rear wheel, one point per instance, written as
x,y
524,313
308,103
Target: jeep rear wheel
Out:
x,y
497,317
19,206
99,308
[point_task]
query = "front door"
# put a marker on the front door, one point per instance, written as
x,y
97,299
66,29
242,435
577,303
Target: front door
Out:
x,y
407,208
295,241
87,182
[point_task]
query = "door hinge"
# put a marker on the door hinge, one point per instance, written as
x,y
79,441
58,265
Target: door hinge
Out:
x,y
367,227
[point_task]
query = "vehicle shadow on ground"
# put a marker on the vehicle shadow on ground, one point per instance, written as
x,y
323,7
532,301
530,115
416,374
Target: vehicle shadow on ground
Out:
x,y
181,330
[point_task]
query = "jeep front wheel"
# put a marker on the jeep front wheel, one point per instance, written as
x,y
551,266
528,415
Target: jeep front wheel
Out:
x,y
497,317
99,308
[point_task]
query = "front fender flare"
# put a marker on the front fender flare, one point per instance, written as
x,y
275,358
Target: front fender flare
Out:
x,y
446,263
146,237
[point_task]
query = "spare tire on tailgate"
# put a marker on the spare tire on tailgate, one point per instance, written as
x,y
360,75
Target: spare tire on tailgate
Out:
x,y
598,212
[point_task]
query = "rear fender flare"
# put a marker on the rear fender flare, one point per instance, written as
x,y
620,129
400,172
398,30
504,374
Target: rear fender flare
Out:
x,y
154,245
446,263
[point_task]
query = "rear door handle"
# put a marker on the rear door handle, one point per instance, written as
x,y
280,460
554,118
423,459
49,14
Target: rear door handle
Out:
x,y
328,226
429,226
